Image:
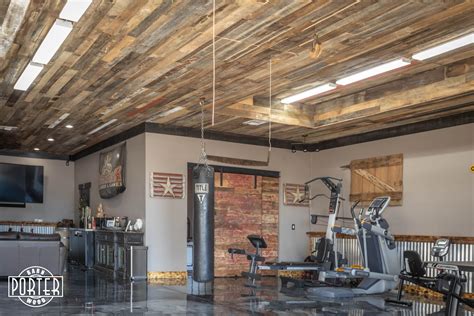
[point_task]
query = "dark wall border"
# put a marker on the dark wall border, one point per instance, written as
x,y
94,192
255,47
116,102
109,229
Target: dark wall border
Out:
x,y
439,123
33,154
252,172
444,122
210,135
129,133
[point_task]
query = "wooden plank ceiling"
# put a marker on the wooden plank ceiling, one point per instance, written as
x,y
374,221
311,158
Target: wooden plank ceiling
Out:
x,y
135,60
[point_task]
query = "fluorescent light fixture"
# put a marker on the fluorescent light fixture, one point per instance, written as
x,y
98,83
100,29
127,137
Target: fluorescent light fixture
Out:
x,y
377,70
8,128
74,9
69,126
59,120
53,40
28,76
171,111
36,149
254,122
102,126
50,139
446,47
309,93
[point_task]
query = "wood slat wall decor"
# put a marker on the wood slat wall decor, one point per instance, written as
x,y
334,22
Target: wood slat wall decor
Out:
x,y
378,176
138,61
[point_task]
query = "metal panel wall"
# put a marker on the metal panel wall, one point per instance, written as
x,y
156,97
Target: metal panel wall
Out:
x,y
28,228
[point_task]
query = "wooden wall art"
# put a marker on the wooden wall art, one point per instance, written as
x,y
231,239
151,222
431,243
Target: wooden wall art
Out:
x,y
293,194
377,176
167,185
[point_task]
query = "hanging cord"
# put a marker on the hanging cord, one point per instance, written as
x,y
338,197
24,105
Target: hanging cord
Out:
x,y
213,60
203,156
270,111
309,193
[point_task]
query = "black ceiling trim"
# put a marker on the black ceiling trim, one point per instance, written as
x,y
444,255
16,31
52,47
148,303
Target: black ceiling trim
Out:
x,y
442,122
238,170
33,154
226,137
129,133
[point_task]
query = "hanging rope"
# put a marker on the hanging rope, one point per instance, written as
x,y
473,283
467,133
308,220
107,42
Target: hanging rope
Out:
x,y
203,156
213,60
270,111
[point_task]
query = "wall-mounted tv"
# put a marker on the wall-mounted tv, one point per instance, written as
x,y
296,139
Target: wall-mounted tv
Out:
x,y
21,183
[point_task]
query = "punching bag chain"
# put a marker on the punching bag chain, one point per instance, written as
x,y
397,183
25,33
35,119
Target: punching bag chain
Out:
x,y
203,156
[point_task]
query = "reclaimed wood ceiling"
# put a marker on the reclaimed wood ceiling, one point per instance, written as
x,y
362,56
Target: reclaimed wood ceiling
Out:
x,y
134,61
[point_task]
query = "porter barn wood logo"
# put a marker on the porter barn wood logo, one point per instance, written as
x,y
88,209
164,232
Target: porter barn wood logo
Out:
x,y
35,286
201,189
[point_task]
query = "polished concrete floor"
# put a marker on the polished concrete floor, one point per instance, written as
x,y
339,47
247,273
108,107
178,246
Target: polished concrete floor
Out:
x,y
87,292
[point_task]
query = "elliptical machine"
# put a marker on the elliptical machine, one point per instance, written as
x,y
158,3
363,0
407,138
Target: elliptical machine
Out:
x,y
381,261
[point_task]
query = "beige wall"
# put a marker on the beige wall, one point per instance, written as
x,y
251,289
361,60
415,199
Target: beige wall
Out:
x,y
438,188
58,194
131,202
166,218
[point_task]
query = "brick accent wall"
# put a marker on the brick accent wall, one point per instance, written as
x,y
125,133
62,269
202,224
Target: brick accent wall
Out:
x,y
244,205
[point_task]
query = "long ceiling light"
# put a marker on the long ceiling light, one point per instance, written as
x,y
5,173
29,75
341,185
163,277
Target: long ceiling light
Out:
x,y
71,12
74,9
444,48
53,40
28,76
59,120
377,70
102,126
309,93
171,111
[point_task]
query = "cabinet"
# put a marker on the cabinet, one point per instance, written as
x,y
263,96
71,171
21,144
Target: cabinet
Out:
x,y
81,247
113,252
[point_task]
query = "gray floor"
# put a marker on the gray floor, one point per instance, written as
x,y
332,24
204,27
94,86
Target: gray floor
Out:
x,y
88,293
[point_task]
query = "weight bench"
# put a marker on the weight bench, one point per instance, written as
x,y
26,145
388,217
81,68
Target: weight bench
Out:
x,y
259,243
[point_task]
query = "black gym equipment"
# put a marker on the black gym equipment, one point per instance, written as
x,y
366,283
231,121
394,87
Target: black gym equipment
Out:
x,y
254,258
324,258
449,281
203,254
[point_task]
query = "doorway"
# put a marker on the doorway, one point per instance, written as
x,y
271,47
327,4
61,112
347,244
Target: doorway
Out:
x,y
246,201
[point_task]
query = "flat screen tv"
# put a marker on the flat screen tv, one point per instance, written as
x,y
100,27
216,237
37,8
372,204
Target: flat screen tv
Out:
x,y
21,183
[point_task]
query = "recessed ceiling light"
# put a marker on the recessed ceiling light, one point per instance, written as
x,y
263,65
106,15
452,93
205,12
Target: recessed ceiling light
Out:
x,y
254,122
102,126
53,40
74,9
28,76
444,48
50,139
377,70
309,93
36,149
69,126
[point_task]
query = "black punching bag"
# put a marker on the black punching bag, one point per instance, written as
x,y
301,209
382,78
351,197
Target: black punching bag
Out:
x,y
203,250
